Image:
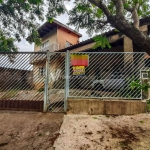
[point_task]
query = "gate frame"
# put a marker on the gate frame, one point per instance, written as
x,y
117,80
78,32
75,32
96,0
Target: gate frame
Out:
x,y
67,72
46,96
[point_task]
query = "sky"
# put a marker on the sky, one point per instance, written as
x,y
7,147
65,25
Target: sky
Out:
x,y
24,46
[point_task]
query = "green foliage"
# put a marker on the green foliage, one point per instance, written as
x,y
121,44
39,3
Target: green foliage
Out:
x,y
9,94
95,118
101,41
144,87
41,89
50,20
148,105
141,122
138,84
131,91
34,36
144,7
7,44
19,18
141,86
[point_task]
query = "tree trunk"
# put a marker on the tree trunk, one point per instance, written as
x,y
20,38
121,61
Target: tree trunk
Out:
x,y
138,37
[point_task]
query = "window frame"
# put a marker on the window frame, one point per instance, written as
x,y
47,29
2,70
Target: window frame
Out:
x,y
41,71
44,44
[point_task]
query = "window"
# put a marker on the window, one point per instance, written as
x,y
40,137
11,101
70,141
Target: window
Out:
x,y
45,44
68,44
42,71
144,75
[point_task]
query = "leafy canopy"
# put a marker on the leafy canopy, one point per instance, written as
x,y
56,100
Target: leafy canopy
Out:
x,y
19,18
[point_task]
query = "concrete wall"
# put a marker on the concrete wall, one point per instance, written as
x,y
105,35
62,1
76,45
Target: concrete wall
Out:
x,y
64,35
105,107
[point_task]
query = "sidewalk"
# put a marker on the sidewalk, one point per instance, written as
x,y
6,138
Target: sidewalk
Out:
x,y
84,132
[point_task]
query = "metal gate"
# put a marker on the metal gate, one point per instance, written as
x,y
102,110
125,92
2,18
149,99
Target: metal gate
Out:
x,y
55,83
21,83
108,75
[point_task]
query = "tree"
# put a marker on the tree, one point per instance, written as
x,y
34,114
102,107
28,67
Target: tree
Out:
x,y
123,15
94,15
16,18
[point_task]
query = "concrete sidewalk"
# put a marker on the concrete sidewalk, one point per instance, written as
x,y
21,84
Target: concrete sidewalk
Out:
x,y
87,132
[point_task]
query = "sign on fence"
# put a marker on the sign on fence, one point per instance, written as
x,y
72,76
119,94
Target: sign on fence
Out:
x,y
79,60
78,70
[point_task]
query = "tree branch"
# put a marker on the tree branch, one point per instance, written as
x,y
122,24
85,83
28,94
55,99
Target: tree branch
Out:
x,y
119,7
135,16
130,9
145,21
134,13
101,21
102,6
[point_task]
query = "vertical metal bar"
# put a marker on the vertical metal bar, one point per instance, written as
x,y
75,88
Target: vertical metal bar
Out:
x,y
46,97
141,84
67,69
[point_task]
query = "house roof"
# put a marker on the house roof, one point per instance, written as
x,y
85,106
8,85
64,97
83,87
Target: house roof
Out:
x,y
88,41
47,27
107,34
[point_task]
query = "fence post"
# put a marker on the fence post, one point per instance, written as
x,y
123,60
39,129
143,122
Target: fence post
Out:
x,y
67,70
46,82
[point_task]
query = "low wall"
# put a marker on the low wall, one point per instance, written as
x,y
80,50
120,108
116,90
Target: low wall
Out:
x,y
105,107
21,105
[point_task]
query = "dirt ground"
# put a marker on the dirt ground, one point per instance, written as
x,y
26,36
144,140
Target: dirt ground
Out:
x,y
28,130
39,131
101,132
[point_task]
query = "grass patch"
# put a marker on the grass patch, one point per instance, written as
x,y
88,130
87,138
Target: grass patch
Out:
x,y
95,118
123,144
41,89
9,94
141,122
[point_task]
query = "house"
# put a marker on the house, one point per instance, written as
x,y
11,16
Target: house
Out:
x,y
54,36
57,37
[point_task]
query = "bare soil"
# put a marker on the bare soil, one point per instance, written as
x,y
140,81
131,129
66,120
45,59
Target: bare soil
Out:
x,y
29,130
45,131
85,132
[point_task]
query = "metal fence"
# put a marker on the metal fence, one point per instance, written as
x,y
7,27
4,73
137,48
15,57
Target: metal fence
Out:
x,y
108,75
22,80
44,80
56,81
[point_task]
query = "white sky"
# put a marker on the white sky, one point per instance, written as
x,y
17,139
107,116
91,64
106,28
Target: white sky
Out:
x,y
25,46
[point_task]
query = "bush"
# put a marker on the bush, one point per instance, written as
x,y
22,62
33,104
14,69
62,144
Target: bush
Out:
x,y
41,89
